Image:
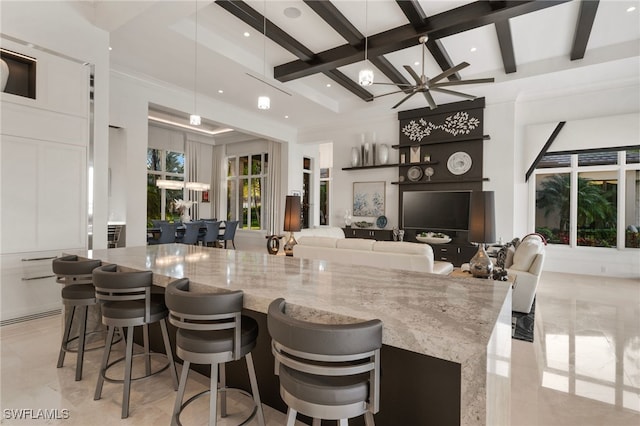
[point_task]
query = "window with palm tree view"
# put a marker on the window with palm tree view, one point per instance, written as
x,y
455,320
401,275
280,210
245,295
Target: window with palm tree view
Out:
x,y
246,177
169,165
589,198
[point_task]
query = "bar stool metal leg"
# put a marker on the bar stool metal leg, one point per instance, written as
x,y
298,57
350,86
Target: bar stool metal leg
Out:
x,y
254,388
167,348
127,373
180,396
105,360
291,417
223,387
147,356
213,386
81,341
65,337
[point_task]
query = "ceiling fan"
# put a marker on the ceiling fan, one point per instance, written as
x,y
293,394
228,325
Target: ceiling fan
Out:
x,y
424,84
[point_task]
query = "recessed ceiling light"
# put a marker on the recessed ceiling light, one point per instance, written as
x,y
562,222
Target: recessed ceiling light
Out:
x,y
328,84
416,63
286,116
220,91
246,34
631,9
292,12
473,49
110,48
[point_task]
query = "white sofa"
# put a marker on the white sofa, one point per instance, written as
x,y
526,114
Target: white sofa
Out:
x,y
525,262
358,251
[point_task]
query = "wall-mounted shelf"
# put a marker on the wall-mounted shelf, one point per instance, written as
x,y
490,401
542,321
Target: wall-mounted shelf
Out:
x,y
441,181
377,166
422,163
437,141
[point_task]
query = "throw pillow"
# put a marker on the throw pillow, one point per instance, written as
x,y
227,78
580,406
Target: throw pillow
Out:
x,y
504,257
526,253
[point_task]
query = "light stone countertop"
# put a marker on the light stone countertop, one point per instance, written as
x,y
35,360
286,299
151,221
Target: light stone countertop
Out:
x,y
439,316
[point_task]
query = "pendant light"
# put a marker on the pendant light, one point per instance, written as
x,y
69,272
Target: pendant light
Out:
x,y
365,76
194,119
263,101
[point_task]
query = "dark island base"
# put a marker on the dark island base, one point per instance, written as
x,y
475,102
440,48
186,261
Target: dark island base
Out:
x,y
415,389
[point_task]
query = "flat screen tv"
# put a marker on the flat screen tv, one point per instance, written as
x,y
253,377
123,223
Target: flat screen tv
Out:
x,y
436,210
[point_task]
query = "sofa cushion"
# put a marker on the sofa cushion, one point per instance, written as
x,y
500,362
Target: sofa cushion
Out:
x,y
318,241
401,247
355,244
526,253
320,231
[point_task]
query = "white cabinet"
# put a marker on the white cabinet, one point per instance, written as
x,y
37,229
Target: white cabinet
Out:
x,y
43,195
28,285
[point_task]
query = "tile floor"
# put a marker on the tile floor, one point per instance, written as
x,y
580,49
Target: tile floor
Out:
x,y
583,367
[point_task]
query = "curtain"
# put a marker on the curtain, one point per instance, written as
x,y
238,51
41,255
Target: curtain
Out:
x,y
274,217
218,182
193,152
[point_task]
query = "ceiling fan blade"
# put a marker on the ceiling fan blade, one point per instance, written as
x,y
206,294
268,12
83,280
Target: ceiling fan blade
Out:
x,y
450,71
396,84
457,82
415,75
451,92
429,98
387,94
404,99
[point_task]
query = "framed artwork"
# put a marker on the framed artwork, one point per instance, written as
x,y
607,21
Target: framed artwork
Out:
x,y
368,198
415,154
205,196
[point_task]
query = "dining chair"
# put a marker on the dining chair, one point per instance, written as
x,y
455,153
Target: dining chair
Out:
x,y
212,234
191,232
167,234
229,234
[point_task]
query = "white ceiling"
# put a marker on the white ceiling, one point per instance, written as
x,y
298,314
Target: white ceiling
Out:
x,y
157,39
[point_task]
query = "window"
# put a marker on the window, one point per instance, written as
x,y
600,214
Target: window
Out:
x,y
246,178
589,198
306,191
168,165
325,187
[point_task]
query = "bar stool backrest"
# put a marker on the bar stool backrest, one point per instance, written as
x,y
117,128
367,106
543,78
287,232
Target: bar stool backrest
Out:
x,y
327,349
71,270
114,285
205,311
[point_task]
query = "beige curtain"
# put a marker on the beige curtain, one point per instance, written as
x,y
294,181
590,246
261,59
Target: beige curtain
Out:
x,y
274,218
218,182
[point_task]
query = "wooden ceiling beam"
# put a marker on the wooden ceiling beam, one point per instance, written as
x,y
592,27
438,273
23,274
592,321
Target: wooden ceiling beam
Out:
x,y
251,17
390,71
586,16
332,16
414,13
503,30
441,56
451,22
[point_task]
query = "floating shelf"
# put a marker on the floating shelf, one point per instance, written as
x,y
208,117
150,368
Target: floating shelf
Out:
x,y
377,166
422,163
430,182
434,142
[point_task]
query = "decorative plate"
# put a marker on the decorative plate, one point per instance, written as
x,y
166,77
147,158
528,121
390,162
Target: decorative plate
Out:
x,y
414,174
459,163
381,222
428,172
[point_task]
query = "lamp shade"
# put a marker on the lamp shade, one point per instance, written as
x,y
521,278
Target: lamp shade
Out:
x,y
482,223
292,213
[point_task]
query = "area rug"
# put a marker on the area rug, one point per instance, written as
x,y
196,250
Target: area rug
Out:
x,y
522,324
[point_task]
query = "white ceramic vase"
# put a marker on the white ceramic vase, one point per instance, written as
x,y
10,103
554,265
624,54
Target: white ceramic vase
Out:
x,y
184,217
355,157
4,74
383,153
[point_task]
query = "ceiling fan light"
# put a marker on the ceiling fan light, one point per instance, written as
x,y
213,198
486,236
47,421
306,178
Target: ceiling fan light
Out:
x,y
264,102
195,120
365,77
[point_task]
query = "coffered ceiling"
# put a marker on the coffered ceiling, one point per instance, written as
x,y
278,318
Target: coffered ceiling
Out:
x,y
309,60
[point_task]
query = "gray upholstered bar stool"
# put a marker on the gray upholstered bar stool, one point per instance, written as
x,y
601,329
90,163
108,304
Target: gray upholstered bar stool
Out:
x,y
127,302
327,371
78,292
212,330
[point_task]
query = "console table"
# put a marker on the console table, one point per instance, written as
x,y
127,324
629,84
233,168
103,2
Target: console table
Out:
x,y
373,234
446,354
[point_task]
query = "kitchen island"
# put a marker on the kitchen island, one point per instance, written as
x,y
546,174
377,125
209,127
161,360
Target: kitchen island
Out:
x,y
447,341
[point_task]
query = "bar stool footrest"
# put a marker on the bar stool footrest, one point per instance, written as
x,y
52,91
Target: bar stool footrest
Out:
x,y
176,418
103,373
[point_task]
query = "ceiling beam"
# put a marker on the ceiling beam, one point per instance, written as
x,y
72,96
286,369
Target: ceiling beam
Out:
x,y
503,30
332,16
414,13
256,20
451,22
586,16
441,56
390,71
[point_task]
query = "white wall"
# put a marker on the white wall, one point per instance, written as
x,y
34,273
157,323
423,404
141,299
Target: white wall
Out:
x,y
117,183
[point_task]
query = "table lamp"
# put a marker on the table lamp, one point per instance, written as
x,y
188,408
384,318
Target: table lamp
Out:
x,y
291,221
482,226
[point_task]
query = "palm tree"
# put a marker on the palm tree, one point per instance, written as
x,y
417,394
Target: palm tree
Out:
x,y
593,205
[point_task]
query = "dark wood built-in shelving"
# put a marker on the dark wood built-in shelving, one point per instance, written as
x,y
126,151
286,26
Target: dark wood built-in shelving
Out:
x,y
420,182
435,142
422,163
377,166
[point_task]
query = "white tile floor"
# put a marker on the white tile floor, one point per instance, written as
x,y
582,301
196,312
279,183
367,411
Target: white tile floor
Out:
x,y
582,369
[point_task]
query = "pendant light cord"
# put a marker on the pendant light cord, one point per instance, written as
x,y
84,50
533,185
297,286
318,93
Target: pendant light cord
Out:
x,y
195,67
264,39
366,29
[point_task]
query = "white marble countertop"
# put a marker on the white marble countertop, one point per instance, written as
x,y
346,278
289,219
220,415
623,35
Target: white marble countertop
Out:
x,y
447,318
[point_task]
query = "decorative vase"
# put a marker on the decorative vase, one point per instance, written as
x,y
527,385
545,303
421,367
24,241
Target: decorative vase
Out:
x,y
383,153
355,157
347,218
4,74
184,217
